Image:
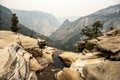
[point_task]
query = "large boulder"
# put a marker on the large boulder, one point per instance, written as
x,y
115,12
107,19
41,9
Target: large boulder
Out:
x,y
68,74
108,70
17,64
42,43
69,57
79,64
47,56
81,45
86,46
109,44
110,41
113,32
78,61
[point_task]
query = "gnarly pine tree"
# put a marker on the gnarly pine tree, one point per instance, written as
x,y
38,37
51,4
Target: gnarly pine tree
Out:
x,y
14,22
96,25
87,31
92,32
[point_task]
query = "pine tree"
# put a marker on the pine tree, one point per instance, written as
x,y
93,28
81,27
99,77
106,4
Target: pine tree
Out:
x,y
14,22
93,31
87,31
96,25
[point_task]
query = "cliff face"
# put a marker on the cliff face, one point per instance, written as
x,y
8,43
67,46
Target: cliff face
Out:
x,y
40,22
69,34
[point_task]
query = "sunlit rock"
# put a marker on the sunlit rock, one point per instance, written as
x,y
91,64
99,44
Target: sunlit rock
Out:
x,y
68,74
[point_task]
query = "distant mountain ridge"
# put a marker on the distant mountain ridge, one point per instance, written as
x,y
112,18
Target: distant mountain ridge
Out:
x,y
70,18
69,32
40,22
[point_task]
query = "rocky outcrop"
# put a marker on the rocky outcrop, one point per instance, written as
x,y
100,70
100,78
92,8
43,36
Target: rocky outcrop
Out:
x,y
8,37
17,64
113,32
68,57
68,74
81,45
108,70
21,57
101,63
110,44
47,57
77,61
86,46
79,64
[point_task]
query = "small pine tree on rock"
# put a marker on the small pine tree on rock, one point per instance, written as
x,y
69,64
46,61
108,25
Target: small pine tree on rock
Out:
x,y
87,31
92,32
96,25
14,22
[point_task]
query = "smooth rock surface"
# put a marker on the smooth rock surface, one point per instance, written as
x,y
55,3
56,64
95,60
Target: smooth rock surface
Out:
x,y
108,70
19,64
110,44
8,37
68,74
69,57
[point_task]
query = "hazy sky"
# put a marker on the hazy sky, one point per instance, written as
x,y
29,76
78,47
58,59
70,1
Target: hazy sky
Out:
x,y
60,8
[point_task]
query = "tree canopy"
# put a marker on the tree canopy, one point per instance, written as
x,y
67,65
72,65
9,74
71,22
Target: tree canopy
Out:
x,y
92,31
14,22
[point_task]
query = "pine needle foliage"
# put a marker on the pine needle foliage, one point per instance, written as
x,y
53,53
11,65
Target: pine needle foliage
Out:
x,y
14,22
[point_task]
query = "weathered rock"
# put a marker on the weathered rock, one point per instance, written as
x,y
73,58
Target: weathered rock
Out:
x,y
109,44
86,46
78,61
68,57
79,64
43,56
47,56
8,37
19,64
71,57
34,65
68,74
81,45
42,43
93,66
108,70
113,32
48,52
